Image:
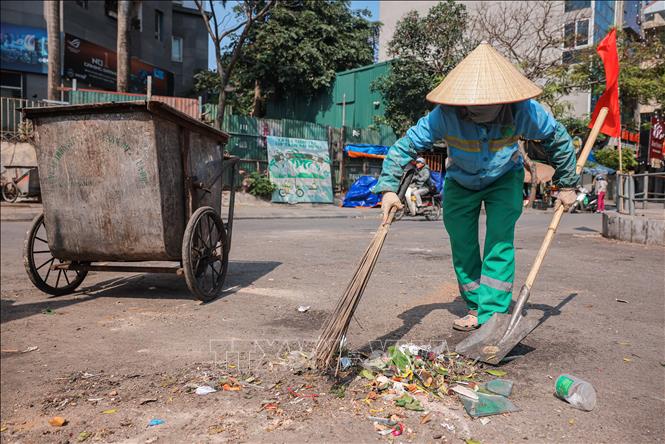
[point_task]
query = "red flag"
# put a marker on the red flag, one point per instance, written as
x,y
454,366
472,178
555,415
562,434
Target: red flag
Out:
x,y
607,50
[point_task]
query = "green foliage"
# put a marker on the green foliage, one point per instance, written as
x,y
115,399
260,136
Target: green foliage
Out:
x,y
609,156
207,82
641,77
300,46
260,185
425,50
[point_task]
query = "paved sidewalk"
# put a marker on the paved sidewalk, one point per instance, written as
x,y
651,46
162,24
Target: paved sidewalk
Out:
x,y
24,211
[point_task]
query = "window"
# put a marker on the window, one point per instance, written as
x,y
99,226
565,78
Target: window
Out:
x,y
576,34
159,24
11,84
176,49
575,5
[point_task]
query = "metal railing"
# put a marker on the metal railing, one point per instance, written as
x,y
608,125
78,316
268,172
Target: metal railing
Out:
x,y
11,118
643,188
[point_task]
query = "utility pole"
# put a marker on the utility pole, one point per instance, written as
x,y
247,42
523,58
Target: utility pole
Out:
x,y
52,16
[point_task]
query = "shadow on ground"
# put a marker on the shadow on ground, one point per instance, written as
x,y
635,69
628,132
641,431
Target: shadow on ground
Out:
x,y
152,286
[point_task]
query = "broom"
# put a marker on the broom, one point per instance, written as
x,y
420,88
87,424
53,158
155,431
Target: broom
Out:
x,y
334,330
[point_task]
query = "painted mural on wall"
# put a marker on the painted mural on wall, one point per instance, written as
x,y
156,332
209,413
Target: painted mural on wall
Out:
x,y
301,170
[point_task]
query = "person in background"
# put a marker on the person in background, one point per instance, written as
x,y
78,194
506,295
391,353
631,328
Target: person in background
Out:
x,y
600,186
419,185
483,106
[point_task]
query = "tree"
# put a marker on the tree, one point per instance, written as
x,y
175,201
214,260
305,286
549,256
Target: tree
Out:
x,y
52,16
298,47
609,156
248,12
122,42
425,50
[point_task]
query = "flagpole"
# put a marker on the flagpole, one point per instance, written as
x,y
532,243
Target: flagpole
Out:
x,y
619,145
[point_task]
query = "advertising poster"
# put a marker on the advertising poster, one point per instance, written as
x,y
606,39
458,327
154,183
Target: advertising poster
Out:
x,y
23,48
657,138
95,66
301,170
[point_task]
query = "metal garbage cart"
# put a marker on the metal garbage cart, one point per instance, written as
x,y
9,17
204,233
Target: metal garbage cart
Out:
x,y
128,182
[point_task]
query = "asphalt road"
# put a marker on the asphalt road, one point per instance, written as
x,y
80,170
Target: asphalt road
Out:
x,y
125,324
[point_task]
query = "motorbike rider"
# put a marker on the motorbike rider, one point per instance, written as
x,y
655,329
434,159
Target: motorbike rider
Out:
x,y
483,106
420,184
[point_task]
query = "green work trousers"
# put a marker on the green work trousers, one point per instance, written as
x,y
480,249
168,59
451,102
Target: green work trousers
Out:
x,y
486,284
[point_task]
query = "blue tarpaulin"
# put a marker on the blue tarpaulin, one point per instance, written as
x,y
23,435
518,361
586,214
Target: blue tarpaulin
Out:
x,y
359,195
437,180
365,150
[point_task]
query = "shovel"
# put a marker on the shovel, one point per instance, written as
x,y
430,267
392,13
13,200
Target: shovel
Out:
x,y
502,332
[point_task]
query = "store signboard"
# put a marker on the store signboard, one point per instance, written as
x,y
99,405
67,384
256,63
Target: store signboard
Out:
x,y
95,66
23,48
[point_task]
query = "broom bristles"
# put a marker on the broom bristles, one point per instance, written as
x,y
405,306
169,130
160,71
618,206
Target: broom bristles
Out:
x,y
335,327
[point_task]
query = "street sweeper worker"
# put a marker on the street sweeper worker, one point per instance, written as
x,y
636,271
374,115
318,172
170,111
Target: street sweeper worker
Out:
x,y
420,183
484,105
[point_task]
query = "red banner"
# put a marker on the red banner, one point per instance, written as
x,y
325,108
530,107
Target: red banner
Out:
x,y
656,138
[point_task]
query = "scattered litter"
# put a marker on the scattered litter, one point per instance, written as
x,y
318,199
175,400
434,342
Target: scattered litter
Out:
x,y
487,405
409,403
398,430
3,428
204,390
626,359
471,441
113,393
465,391
48,311
231,387
623,301
577,392
495,372
427,417
503,387
345,362
449,427
83,436
147,400
30,349
57,421
95,399
110,411
383,421
484,421
155,422
304,308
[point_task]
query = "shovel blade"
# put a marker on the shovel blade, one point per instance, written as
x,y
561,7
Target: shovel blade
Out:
x,y
490,343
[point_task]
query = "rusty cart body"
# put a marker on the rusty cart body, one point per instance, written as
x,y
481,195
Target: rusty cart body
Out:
x,y
128,182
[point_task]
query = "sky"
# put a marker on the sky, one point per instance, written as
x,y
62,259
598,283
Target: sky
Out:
x,y
372,5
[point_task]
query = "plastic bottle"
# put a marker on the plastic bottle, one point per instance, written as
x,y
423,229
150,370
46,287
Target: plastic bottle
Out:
x,y
577,392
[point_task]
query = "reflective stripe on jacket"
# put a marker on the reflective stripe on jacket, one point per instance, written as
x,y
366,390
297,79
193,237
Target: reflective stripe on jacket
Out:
x,y
481,153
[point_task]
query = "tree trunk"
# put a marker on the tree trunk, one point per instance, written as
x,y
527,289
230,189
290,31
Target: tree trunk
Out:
x,y
258,100
52,16
221,100
124,23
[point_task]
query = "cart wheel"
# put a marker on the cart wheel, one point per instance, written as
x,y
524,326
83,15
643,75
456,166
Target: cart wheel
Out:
x,y
38,260
10,192
205,255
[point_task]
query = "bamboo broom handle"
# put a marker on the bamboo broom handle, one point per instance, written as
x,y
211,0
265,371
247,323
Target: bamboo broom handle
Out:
x,y
559,211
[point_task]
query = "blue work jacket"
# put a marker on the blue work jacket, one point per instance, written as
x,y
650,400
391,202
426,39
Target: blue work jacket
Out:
x,y
479,154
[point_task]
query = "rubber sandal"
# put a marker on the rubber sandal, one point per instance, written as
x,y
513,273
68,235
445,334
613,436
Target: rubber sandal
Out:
x,y
467,323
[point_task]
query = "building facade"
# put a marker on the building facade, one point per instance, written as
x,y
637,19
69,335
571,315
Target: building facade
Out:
x,y
167,42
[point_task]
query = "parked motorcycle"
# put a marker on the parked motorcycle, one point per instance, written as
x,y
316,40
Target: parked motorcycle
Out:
x,y
431,207
586,201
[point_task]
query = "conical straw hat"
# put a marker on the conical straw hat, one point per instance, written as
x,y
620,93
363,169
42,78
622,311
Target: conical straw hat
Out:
x,y
484,77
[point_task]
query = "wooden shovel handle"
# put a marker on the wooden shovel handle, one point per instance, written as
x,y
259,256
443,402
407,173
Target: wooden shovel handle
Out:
x,y
559,211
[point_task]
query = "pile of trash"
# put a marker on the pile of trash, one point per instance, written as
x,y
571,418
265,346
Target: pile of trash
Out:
x,y
406,372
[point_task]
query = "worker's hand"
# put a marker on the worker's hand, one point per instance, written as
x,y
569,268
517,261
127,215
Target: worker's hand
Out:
x,y
566,197
389,201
